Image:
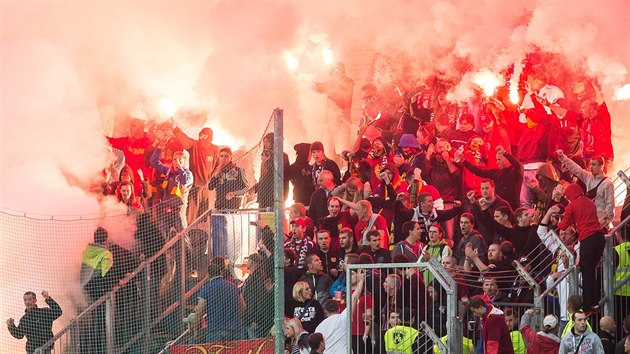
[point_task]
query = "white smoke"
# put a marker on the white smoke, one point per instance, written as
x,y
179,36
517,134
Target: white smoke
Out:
x,y
223,65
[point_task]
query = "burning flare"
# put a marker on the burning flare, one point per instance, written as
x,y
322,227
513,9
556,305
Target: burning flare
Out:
x,y
488,81
166,107
622,93
327,56
292,61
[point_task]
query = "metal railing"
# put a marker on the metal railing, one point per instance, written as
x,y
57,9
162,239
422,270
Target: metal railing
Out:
x,y
445,280
182,248
73,332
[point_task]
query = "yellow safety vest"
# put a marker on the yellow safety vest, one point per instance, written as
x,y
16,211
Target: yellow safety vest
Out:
x,y
399,339
623,269
467,345
518,343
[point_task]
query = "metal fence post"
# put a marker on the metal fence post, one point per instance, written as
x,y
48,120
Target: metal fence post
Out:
x,y
278,196
608,278
182,285
148,301
109,323
537,318
454,322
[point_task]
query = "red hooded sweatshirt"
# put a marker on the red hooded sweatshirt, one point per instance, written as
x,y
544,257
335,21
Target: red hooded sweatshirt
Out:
x,y
580,212
538,342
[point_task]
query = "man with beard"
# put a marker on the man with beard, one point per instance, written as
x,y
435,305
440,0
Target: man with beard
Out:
x,y
203,162
426,214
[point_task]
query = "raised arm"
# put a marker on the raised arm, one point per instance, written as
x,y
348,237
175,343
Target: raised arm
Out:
x,y
55,310
349,204
183,139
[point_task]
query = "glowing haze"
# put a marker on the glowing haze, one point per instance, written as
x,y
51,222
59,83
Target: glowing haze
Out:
x,y
69,68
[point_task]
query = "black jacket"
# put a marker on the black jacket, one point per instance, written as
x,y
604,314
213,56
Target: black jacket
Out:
x,y
36,325
300,175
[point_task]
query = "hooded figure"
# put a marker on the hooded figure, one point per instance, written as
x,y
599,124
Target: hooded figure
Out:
x,y
378,157
396,185
582,213
548,179
300,174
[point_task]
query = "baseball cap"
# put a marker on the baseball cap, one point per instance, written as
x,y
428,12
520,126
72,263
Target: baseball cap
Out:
x,y
255,257
409,140
299,221
317,145
550,321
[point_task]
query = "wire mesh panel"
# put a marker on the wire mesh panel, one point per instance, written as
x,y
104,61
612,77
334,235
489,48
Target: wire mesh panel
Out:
x,y
137,276
397,312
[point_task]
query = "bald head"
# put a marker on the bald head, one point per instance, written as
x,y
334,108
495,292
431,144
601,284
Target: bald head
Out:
x,y
607,324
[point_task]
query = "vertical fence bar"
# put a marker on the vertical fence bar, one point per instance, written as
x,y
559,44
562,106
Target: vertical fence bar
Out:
x,y
182,285
74,337
109,323
278,193
148,301
608,278
453,323
349,305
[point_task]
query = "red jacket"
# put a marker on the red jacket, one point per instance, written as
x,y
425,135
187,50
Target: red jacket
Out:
x,y
581,211
596,134
496,334
134,151
538,343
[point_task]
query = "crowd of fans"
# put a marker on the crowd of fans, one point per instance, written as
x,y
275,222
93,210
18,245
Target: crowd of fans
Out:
x,y
475,186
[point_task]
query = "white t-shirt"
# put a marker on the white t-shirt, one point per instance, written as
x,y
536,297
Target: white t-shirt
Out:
x,y
334,330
